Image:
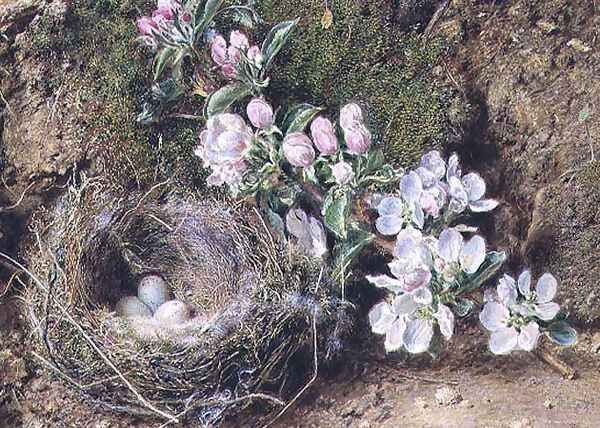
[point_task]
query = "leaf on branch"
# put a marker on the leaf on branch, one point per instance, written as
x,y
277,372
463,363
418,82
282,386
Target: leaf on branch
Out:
x,y
222,99
346,251
162,60
562,333
463,307
492,263
298,117
210,10
336,211
275,41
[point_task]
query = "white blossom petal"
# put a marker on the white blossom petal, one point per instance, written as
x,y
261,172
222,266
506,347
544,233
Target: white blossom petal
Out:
x,y
405,304
493,316
524,282
474,185
504,341
546,288
411,187
319,239
458,194
433,162
422,296
296,222
381,318
449,245
389,224
546,311
528,337
394,339
483,205
472,254
507,291
417,336
453,167
445,319
490,295
427,177
390,205
384,281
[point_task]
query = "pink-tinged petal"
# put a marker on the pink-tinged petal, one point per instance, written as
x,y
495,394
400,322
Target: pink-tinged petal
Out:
x,y
389,224
507,291
218,50
384,281
445,319
233,55
260,113
449,245
146,26
298,149
238,40
350,115
429,204
524,283
472,254
474,185
215,179
324,136
490,295
229,71
381,318
358,139
453,167
255,55
504,341
546,311
411,187
342,172
433,162
528,337
390,206
546,288
493,316
417,336
394,337
405,304
483,205
427,177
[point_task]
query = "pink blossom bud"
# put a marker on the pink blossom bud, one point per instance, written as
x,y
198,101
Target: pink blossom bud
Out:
x,y
233,54
162,15
350,115
324,136
260,113
228,70
342,172
238,40
218,50
298,149
358,139
255,55
146,26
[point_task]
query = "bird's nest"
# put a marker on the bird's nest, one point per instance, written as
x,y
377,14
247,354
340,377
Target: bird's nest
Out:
x,y
272,314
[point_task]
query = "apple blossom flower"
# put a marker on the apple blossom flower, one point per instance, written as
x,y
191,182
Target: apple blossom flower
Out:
x,y
350,115
539,302
227,57
395,213
323,135
223,146
260,113
410,320
342,172
308,230
160,27
466,191
298,149
411,266
455,255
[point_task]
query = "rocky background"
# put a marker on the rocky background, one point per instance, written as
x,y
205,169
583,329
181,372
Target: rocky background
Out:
x,y
511,85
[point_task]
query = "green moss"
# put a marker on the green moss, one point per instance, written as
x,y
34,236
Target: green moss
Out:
x,y
110,69
363,57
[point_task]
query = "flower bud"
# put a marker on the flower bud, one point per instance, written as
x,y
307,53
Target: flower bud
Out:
x,y
358,139
238,40
146,25
342,172
350,115
260,113
228,70
255,55
218,50
298,149
324,136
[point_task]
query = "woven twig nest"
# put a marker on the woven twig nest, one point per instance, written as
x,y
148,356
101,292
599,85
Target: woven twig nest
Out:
x,y
264,307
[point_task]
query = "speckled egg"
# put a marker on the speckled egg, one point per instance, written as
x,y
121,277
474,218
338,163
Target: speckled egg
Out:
x,y
173,312
153,291
131,306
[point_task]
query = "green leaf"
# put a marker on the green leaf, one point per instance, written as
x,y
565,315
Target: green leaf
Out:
x,y
584,115
222,99
346,251
463,307
562,333
275,40
336,211
211,7
493,261
162,59
298,117
276,222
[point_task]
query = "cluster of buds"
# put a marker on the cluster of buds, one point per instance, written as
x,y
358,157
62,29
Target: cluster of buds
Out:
x,y
229,57
169,25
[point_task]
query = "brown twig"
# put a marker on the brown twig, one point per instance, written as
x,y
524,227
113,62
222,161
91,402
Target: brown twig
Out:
x,y
544,353
439,14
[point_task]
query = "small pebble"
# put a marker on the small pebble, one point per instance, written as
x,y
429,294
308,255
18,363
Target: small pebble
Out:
x,y
153,291
173,312
447,396
131,306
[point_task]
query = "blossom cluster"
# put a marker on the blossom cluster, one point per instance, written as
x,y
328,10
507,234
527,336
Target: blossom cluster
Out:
x,y
229,56
169,25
